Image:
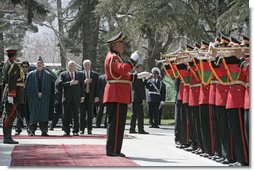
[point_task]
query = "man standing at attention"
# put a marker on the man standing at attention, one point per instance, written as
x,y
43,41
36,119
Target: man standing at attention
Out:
x,y
117,92
40,94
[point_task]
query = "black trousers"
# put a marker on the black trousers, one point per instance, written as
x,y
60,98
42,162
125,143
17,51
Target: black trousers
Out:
x,y
100,114
192,124
160,114
225,133
206,128
236,125
246,125
43,127
178,109
57,114
137,113
117,113
153,113
9,119
71,111
86,115
20,118
216,131
184,140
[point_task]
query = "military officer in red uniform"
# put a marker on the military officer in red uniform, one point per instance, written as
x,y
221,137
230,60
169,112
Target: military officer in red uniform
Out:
x,y
221,92
117,92
245,67
13,82
235,104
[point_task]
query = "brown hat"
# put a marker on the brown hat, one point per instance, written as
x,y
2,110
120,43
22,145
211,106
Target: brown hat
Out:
x,y
224,39
189,47
116,38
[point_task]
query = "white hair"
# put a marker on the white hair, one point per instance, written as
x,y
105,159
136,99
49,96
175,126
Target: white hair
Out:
x,y
86,61
71,62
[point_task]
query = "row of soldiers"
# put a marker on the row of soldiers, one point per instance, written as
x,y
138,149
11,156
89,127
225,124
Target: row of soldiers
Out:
x,y
212,108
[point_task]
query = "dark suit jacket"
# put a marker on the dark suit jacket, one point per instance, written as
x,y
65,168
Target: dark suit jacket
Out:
x,y
71,92
101,86
93,86
138,91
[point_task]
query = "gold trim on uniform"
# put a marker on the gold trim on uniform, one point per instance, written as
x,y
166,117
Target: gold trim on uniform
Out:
x,y
118,81
110,66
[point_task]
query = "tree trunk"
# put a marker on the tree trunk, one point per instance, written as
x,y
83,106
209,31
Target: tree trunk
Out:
x,y
1,46
61,31
90,31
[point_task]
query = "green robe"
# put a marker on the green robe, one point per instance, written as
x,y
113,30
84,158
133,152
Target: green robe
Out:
x,y
39,108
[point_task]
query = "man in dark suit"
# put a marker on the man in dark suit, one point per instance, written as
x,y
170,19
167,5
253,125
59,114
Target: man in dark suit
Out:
x,y
155,98
101,87
139,98
91,97
72,85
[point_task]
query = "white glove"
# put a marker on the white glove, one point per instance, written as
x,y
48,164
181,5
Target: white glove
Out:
x,y
143,75
162,102
10,99
135,56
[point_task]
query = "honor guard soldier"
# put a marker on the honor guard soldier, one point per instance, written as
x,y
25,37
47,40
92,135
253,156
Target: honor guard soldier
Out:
x,y
13,95
117,92
235,103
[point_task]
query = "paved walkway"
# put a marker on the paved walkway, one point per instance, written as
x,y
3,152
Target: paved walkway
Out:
x,y
154,149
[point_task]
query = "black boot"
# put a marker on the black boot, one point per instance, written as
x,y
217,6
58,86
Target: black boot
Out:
x,y
7,137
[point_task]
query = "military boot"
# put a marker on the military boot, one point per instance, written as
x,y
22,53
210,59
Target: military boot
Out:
x,y
7,137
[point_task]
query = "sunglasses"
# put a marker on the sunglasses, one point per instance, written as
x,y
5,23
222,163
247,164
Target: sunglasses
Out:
x,y
24,66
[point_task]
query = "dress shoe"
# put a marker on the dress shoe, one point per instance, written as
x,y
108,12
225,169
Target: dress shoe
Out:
x,y
183,146
66,135
156,126
115,155
17,133
10,141
51,129
89,132
200,152
151,126
204,155
82,132
220,160
44,134
133,132
143,132
75,134
31,133
195,151
190,148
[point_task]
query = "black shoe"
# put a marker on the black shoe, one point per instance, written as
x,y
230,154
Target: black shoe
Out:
x,y
156,126
183,146
133,132
151,126
89,132
44,134
51,129
204,155
82,132
17,133
190,148
235,164
97,126
220,160
75,134
143,132
66,135
31,133
115,155
10,141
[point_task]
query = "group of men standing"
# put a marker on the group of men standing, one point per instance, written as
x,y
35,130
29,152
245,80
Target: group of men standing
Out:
x,y
212,108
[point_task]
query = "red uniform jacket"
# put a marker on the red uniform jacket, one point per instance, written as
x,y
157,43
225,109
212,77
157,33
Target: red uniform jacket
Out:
x,y
236,92
212,91
195,84
221,91
180,93
246,96
117,71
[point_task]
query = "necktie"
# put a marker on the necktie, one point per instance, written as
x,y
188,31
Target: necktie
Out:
x,y
87,85
71,75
